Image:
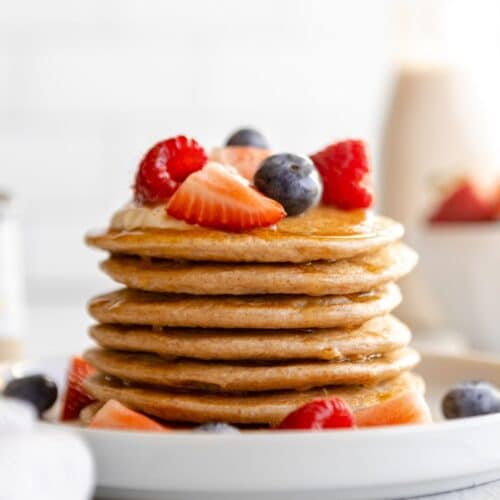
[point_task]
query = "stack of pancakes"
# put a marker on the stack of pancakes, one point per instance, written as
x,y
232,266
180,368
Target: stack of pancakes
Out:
x,y
246,327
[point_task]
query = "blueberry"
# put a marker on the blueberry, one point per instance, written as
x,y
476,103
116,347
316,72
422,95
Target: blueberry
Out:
x,y
217,428
38,390
471,398
248,137
290,179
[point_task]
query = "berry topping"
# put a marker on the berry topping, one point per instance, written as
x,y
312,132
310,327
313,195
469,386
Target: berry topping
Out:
x,y
217,428
346,175
320,414
245,159
290,179
472,398
166,165
38,390
76,398
248,137
114,415
218,197
408,408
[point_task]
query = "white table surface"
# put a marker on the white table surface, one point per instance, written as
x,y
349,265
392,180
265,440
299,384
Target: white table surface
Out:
x,y
52,331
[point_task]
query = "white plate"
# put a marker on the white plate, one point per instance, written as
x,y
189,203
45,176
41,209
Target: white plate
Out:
x,y
390,462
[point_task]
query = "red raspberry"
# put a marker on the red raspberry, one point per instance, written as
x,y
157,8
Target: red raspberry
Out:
x,y
346,175
165,166
332,413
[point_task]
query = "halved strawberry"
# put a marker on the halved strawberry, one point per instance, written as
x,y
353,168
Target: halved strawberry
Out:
x,y
407,408
114,415
220,198
468,201
75,398
246,159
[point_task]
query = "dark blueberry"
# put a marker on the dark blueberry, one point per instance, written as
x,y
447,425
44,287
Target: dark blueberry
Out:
x,y
36,389
217,428
290,179
248,137
472,398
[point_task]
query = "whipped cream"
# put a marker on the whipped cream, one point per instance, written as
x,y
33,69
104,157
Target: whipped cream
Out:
x,y
133,216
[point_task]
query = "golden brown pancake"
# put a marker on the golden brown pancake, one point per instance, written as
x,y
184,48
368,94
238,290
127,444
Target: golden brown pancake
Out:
x,y
264,408
127,306
248,377
320,234
376,336
359,274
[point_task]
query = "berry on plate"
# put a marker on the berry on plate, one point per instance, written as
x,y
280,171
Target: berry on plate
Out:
x,y
217,428
75,398
114,415
468,201
165,166
38,390
345,171
332,413
472,398
407,408
248,137
218,197
245,159
290,179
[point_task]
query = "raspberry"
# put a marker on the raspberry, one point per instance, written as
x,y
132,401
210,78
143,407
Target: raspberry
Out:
x,y
165,166
346,175
320,414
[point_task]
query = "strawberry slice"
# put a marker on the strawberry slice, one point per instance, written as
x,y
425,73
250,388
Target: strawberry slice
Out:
x,y
246,159
114,415
75,398
218,197
407,408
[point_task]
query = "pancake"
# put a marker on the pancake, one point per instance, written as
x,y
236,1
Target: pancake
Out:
x,y
248,377
320,234
266,408
376,336
127,306
359,274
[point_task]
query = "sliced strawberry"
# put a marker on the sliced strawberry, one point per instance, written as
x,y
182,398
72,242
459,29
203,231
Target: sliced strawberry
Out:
x,y
165,166
220,198
345,171
246,159
75,398
114,415
408,408
468,202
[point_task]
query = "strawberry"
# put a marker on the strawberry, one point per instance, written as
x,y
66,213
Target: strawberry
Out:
x,y
332,413
165,166
407,408
114,415
468,202
345,172
246,159
75,398
218,197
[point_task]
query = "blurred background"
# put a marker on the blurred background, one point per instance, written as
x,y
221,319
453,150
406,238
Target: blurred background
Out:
x,y
87,87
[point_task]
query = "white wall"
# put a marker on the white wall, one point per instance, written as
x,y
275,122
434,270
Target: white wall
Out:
x,y
87,86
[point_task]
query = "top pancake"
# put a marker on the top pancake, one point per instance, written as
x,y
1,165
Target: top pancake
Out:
x,y
323,233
